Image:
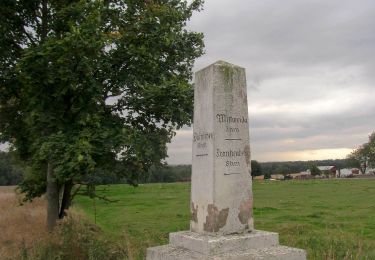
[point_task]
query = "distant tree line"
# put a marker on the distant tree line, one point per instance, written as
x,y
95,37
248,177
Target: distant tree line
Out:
x,y
11,173
12,170
181,173
285,168
168,173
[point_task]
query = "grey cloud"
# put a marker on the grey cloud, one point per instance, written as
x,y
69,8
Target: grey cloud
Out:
x,y
310,69
303,31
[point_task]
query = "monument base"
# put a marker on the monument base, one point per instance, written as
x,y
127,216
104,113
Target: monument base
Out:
x,y
255,245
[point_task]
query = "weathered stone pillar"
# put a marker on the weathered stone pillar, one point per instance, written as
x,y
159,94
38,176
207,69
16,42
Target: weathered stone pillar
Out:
x,y
221,225
221,197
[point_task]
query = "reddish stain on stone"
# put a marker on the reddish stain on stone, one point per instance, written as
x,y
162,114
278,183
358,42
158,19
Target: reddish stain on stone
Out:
x,y
246,211
215,219
194,213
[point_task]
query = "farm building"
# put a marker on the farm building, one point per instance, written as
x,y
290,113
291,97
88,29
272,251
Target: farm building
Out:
x,y
277,177
301,175
346,172
328,171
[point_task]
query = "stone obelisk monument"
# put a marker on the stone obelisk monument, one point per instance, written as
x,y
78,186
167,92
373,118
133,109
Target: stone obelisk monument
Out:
x,y
221,225
221,196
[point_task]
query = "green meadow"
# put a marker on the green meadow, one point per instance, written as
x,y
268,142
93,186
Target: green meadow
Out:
x,y
331,219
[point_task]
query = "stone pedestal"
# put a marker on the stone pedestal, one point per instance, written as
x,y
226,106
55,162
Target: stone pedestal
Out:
x,y
221,225
255,245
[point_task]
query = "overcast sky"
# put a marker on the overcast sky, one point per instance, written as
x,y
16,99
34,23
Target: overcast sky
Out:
x,y
310,73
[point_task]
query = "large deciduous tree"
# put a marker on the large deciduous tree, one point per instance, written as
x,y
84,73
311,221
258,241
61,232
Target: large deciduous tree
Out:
x,y
88,85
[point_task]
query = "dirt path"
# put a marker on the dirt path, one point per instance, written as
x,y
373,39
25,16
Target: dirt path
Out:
x,y
19,225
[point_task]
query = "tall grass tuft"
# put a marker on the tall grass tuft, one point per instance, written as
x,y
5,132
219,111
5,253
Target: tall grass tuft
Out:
x,y
20,226
76,238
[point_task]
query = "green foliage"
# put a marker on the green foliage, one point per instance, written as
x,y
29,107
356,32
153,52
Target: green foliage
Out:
x,y
283,169
256,168
172,173
359,158
315,170
164,173
370,150
364,156
100,177
89,86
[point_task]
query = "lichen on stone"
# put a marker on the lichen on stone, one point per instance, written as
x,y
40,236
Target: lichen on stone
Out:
x,y
227,72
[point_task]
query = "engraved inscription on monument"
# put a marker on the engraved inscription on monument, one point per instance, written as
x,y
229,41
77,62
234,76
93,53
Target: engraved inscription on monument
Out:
x,y
201,140
233,154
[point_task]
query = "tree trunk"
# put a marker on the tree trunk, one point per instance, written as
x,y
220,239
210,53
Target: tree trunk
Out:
x,y
52,199
44,29
66,199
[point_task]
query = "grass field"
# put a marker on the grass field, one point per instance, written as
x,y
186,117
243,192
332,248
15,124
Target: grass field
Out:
x,y
331,219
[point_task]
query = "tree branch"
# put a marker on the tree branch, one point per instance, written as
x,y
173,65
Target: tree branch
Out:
x,y
27,35
44,20
75,192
